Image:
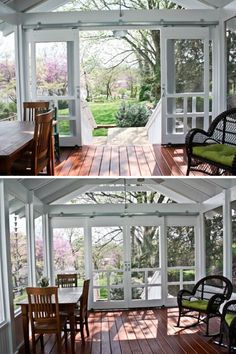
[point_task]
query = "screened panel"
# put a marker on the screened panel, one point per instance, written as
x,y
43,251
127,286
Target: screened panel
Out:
x,y
213,222
68,251
39,247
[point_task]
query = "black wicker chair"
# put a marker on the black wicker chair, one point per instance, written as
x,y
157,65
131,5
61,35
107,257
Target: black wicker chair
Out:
x,y
213,152
205,299
228,324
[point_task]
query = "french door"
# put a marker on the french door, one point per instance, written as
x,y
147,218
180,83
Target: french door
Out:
x,y
127,264
52,71
185,75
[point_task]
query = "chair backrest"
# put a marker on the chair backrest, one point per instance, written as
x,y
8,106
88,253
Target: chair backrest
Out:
x,y
223,127
42,141
43,306
212,285
67,280
84,299
31,109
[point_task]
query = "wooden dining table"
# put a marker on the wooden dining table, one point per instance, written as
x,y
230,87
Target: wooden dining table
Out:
x,y
15,137
67,298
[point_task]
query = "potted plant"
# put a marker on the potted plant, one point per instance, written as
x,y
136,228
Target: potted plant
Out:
x,y
44,282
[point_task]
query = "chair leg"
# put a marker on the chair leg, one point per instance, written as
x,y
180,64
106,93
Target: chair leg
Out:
x,y
58,342
41,341
81,324
33,344
87,327
207,325
178,322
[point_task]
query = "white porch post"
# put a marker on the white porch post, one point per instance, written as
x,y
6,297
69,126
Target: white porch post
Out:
x,y
227,236
6,274
20,68
46,247
31,238
200,248
219,69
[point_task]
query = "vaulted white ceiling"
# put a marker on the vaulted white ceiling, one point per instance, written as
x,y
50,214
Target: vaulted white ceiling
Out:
x,y
182,190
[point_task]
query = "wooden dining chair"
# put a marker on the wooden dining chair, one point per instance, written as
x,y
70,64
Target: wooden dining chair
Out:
x,y
67,280
31,109
81,314
44,315
39,156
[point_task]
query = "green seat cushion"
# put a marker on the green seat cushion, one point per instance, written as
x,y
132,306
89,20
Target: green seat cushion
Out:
x,y
198,305
219,153
229,318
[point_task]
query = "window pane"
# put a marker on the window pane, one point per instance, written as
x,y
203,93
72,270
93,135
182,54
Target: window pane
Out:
x,y
180,246
144,246
39,246
19,249
51,69
214,241
68,248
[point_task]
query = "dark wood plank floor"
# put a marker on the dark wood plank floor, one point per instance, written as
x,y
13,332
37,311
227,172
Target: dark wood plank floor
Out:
x,y
107,160
141,332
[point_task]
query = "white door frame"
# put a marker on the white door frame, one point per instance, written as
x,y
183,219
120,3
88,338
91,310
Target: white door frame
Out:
x,y
170,33
71,37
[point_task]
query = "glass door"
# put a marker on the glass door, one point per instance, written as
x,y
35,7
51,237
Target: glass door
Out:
x,y
52,71
186,81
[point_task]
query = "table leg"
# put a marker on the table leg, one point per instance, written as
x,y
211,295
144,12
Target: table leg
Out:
x,y
25,318
71,314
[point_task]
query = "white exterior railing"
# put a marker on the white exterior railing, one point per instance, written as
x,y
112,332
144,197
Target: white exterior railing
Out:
x,y
88,123
153,125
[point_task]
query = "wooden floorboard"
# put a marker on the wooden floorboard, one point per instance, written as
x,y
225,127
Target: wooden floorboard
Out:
x,y
140,331
107,160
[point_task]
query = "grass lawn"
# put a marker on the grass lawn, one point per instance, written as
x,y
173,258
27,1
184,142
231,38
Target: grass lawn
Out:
x,y
103,112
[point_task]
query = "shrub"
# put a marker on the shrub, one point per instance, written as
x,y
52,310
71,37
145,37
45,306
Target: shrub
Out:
x,y
132,115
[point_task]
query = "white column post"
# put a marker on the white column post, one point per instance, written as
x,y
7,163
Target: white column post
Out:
x,y
227,236
20,68
49,248
200,248
5,259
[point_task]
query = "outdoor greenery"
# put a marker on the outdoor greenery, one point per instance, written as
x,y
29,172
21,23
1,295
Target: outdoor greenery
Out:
x,y
132,115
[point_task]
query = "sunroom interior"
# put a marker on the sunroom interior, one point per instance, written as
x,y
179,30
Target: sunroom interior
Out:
x,y
139,241
207,23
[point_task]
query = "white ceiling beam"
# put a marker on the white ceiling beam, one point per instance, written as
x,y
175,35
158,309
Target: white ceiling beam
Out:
x,y
105,18
63,209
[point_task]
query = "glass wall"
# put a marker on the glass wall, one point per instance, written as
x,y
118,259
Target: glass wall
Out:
x,y
19,249
213,224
